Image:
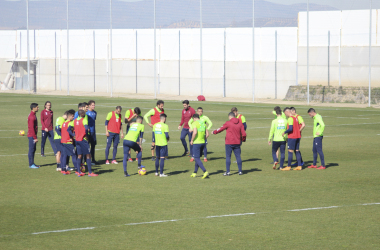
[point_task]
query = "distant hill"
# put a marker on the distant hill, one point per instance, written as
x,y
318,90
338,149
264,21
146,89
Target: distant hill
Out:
x,y
94,14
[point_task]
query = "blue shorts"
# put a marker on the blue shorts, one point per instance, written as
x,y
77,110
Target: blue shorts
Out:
x,y
317,144
294,144
130,145
83,147
153,139
113,137
161,151
92,138
68,149
58,144
198,150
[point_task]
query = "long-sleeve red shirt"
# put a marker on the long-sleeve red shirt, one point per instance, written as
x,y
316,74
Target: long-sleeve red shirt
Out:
x,y
32,125
235,131
186,116
47,119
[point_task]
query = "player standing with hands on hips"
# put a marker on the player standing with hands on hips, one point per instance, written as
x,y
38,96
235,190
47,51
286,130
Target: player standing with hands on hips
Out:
x,y
47,128
113,131
319,127
235,135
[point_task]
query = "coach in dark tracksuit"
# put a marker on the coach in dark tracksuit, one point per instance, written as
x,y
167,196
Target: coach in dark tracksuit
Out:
x,y
235,134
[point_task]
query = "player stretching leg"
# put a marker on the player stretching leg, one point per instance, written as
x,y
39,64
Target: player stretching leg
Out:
x,y
47,128
161,134
135,132
279,142
187,113
129,118
114,129
154,115
68,148
294,135
205,119
200,133
57,139
235,135
32,134
91,115
319,127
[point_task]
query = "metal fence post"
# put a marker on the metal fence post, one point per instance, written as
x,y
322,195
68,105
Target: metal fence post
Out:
x,y
201,59
224,66
155,87
369,57
93,64
34,43
340,53
27,42
60,75
253,51
179,62
308,92
111,75
55,61
328,60
68,74
136,61
275,65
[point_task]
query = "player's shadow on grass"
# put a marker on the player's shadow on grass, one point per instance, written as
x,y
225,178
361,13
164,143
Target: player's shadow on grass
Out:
x,y
51,164
332,165
150,172
217,172
103,171
173,157
252,159
215,158
178,172
246,171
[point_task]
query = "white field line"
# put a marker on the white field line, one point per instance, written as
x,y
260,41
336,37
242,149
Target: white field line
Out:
x,y
176,220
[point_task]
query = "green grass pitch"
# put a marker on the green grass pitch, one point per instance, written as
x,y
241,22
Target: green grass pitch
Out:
x,y
188,212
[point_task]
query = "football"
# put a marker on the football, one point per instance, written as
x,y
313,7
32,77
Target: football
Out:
x,y
142,171
22,132
83,168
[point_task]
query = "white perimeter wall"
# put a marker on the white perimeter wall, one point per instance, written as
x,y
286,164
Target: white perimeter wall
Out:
x,y
174,46
178,52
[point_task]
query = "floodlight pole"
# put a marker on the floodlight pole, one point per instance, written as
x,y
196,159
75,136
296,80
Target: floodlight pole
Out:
x,y
308,93
67,20
253,51
27,41
370,45
111,48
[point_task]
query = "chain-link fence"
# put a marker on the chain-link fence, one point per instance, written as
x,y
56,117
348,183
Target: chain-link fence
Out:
x,y
178,47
